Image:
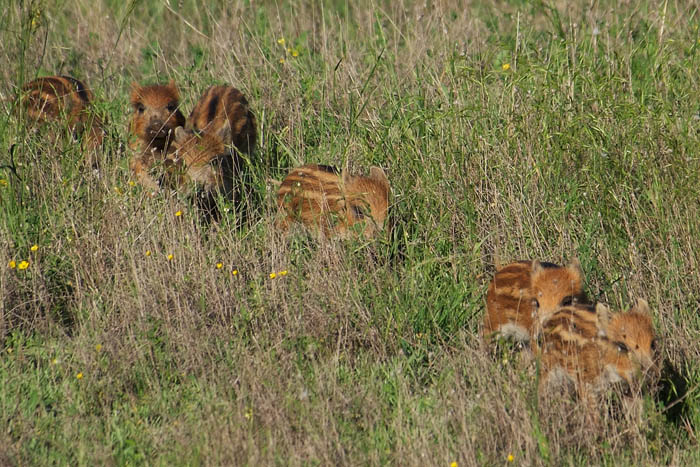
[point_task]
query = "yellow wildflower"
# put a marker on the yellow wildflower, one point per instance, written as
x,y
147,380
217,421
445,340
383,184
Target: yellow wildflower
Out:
x,y
132,183
79,375
98,347
283,273
281,60
36,16
117,190
280,41
34,247
249,413
272,275
3,182
178,213
453,464
510,458
23,265
148,252
295,53
170,257
219,265
54,361
12,264
234,272
506,66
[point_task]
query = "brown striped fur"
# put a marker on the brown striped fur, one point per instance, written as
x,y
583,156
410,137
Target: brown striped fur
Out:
x,y
223,111
521,294
155,116
64,98
322,197
200,159
591,348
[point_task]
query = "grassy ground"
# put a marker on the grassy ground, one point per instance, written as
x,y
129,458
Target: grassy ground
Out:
x,y
509,130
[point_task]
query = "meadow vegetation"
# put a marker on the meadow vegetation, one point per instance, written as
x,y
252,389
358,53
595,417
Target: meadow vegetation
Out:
x,y
508,129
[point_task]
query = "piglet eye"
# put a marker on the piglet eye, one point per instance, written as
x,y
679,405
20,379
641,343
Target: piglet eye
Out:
x,y
535,303
653,344
621,347
140,108
358,212
568,301
172,107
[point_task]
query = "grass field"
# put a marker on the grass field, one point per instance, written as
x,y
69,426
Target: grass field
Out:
x,y
508,129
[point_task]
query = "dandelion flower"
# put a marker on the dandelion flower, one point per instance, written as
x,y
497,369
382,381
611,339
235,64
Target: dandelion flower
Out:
x,y
132,183
234,272
79,375
453,464
34,247
98,347
12,264
506,66
178,213
219,265
281,60
249,413
170,257
295,53
54,361
510,458
280,41
23,265
148,252
272,275
283,273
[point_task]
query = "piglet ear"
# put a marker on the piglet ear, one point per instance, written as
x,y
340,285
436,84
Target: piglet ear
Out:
x,y
536,267
180,134
575,266
135,92
642,306
377,173
574,269
603,314
173,88
381,182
